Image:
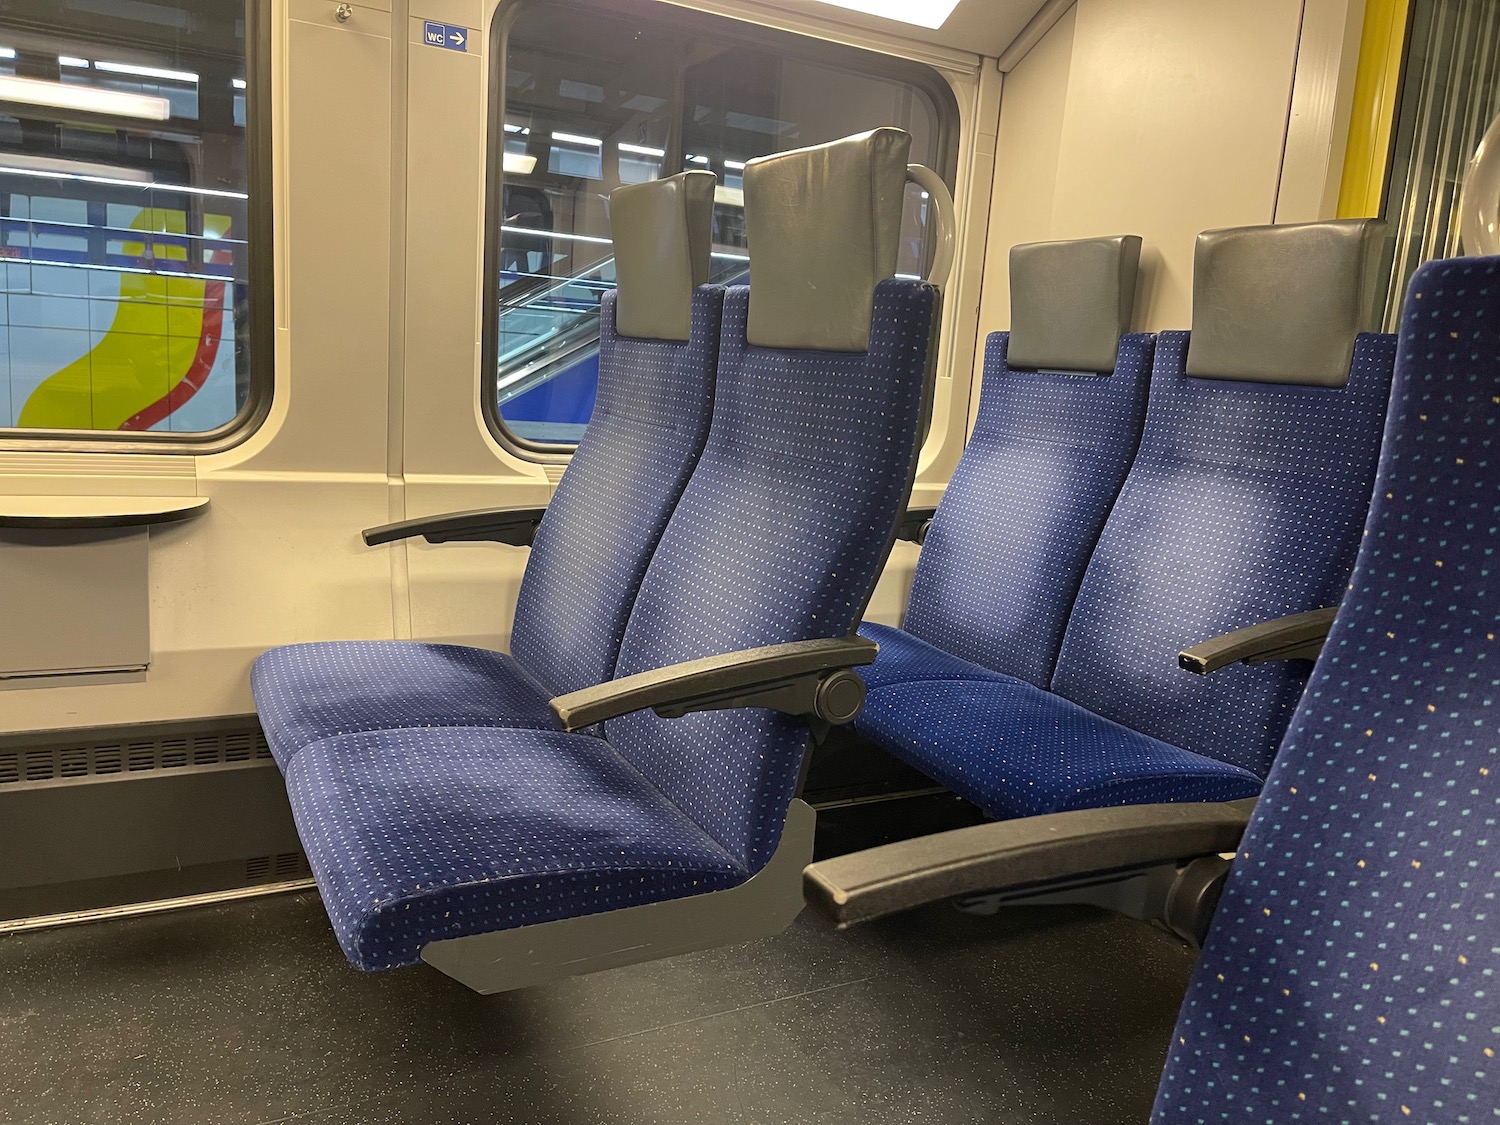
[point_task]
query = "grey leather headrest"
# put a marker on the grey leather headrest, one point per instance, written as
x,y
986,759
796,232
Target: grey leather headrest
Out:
x,y
1070,302
663,231
823,225
1282,304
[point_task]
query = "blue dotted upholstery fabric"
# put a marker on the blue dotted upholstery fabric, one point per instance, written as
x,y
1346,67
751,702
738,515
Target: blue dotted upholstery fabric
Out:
x,y
306,693
1018,750
904,659
426,833
1001,563
423,834
650,421
779,536
1245,503
1350,971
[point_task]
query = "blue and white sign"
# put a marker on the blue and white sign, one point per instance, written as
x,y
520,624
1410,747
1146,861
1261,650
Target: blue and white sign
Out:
x,y
446,36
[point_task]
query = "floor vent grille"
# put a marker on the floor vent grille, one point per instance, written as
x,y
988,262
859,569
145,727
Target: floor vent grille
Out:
x,y
277,868
96,758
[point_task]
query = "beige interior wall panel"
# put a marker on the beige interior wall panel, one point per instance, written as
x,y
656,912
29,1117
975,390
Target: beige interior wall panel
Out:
x,y
458,593
460,13
443,251
336,247
1032,102
272,562
1175,121
73,601
888,603
465,593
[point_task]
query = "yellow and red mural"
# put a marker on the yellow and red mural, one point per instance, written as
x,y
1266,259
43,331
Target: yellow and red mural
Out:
x,y
89,347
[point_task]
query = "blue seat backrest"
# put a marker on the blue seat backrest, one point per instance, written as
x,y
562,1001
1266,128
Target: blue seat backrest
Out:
x,y
1001,564
1351,968
1244,503
779,536
650,421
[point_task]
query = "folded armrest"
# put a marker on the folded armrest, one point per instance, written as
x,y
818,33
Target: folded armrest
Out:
x,y
1030,851
798,678
1299,636
515,526
914,524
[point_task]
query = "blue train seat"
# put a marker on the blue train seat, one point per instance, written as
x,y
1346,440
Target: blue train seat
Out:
x,y
658,351
508,855
1348,974
1243,505
1361,900
1059,417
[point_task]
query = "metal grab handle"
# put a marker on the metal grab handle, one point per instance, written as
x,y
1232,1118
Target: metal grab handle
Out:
x,y
1479,206
942,202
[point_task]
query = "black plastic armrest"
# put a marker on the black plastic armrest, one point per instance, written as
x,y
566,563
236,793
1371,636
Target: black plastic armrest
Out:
x,y
1009,854
1299,636
799,678
516,526
914,524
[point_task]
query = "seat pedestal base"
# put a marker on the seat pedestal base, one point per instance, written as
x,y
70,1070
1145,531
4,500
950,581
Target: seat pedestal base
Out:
x,y
763,905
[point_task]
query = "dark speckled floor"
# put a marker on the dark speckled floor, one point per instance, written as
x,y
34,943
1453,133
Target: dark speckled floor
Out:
x,y
247,1013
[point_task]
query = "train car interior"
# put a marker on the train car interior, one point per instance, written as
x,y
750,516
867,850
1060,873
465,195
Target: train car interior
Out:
x,y
645,562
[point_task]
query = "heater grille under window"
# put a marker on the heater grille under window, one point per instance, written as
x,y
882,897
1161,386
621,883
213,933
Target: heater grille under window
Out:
x,y
136,755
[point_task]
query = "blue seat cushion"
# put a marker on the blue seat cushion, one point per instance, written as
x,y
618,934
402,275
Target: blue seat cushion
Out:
x,y
306,693
1016,750
422,835
906,659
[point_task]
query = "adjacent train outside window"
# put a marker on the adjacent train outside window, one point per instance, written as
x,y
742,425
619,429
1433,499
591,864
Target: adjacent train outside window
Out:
x,y
592,96
126,184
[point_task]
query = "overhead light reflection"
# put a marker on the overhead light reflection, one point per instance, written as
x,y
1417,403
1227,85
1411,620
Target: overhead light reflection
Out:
x,y
61,95
147,72
555,235
117,180
25,164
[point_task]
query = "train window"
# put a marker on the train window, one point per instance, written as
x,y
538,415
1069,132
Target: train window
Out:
x,y
126,179
1450,92
596,95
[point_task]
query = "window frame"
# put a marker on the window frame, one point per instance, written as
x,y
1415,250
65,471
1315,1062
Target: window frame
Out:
x,y
790,44
260,251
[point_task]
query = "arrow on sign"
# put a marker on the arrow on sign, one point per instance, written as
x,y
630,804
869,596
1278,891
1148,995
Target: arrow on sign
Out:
x,y
445,36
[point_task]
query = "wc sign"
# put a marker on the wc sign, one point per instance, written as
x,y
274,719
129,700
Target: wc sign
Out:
x,y
446,36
